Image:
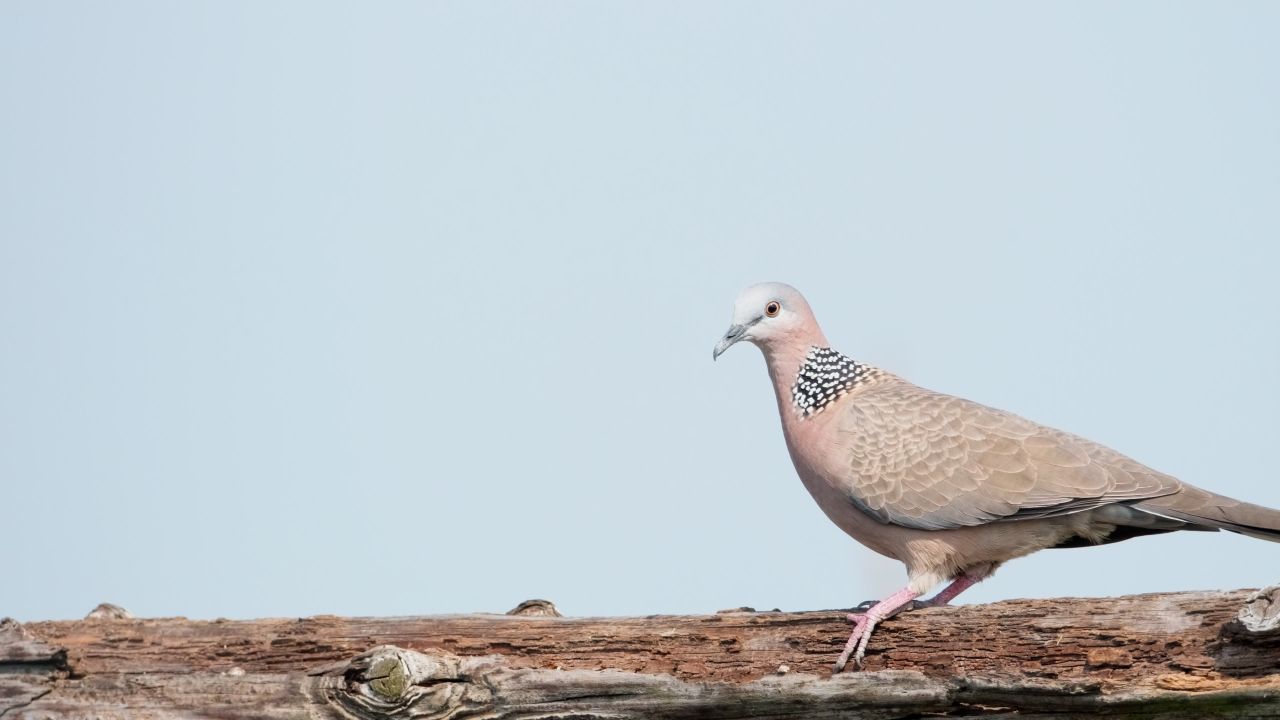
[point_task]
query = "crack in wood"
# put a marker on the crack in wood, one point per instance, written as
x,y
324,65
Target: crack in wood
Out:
x,y
28,703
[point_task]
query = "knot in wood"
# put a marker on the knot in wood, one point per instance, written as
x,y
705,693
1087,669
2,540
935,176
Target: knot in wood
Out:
x,y
535,608
388,681
1260,615
107,611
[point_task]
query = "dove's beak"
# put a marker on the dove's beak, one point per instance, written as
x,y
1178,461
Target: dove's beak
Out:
x,y
731,336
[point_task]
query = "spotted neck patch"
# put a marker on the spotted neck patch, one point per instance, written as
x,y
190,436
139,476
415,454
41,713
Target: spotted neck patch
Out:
x,y
825,376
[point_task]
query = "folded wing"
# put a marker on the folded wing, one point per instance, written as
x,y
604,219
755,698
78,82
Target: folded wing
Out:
x,y
931,461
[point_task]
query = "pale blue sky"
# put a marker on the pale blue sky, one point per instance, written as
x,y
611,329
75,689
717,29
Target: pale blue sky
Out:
x,y
408,307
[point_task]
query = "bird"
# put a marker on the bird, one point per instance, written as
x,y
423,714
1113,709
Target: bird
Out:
x,y
947,486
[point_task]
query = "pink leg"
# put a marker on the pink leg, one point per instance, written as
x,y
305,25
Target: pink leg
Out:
x,y
957,586
863,625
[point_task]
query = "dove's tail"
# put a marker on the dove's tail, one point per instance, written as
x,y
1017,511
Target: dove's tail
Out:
x,y
1204,509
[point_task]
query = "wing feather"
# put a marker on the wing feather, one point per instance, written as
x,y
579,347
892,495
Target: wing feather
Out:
x,y
926,460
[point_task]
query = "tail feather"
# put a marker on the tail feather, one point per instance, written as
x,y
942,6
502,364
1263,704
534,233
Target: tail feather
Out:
x,y
1205,509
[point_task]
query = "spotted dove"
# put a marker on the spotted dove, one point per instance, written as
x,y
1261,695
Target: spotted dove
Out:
x,y
947,486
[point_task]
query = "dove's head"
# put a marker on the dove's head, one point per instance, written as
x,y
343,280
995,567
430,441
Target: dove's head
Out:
x,y
771,316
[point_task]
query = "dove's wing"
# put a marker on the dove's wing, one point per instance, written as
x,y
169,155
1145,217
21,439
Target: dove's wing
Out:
x,y
930,461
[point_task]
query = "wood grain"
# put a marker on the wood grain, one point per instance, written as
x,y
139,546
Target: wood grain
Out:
x,y
1196,654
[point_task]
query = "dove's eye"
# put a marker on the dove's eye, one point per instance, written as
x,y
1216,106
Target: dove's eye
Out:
x,y
772,309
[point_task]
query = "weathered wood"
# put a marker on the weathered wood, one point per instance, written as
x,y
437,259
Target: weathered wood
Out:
x,y
1189,655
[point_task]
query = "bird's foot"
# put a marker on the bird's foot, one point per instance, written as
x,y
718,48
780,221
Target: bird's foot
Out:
x,y
856,648
857,645
865,622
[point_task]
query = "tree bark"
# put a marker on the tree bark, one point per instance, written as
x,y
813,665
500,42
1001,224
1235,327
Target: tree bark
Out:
x,y
1176,655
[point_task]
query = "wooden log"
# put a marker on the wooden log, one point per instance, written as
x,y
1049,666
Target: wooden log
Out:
x,y
1177,655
